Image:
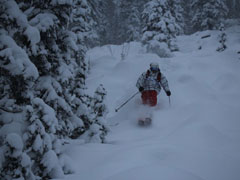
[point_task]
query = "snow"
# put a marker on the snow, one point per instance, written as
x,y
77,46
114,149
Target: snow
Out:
x,y
33,35
13,11
26,161
37,144
43,21
195,136
19,61
14,141
50,162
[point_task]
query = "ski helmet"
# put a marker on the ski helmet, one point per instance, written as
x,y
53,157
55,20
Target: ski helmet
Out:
x,y
154,66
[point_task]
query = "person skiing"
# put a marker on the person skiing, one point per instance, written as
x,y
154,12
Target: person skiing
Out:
x,y
150,83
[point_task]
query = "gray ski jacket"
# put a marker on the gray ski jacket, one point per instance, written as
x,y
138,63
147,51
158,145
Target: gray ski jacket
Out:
x,y
153,81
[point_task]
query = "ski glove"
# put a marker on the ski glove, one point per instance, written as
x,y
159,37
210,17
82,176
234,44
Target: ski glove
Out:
x,y
141,89
168,93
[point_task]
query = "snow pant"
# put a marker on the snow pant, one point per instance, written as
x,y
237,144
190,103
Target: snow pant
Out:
x,y
149,97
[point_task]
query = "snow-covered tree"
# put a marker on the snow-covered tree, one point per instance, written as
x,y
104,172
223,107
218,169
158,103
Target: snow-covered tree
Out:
x,y
208,14
125,17
177,12
107,22
134,29
160,28
40,140
98,128
130,16
84,22
55,58
187,16
18,73
16,163
222,38
234,8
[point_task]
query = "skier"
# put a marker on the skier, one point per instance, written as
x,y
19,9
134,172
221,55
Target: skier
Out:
x,y
150,83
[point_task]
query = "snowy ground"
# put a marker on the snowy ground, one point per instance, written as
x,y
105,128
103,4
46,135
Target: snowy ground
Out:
x,y
196,138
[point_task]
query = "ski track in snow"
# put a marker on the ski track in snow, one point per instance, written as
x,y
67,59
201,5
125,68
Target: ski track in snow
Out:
x,y
194,138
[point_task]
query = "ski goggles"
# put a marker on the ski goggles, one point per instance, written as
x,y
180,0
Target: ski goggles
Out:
x,y
154,68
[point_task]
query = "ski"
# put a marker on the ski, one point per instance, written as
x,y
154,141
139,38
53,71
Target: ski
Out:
x,y
145,121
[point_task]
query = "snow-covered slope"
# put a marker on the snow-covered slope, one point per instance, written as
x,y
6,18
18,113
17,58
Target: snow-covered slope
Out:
x,y
196,137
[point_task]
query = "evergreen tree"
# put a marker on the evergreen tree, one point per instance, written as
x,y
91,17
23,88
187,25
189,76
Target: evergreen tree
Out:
x,y
187,16
55,59
85,16
177,12
108,24
125,9
81,26
17,72
207,14
40,140
16,164
222,38
160,28
98,128
130,16
234,8
42,57
133,24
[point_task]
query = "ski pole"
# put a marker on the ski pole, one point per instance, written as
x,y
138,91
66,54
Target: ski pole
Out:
x,y
169,101
116,110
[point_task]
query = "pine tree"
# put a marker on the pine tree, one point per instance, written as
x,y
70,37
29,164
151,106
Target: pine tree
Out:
x,y
98,128
16,164
133,24
108,23
187,16
207,14
130,16
41,58
40,140
55,59
222,38
177,12
234,8
17,72
125,11
84,22
160,28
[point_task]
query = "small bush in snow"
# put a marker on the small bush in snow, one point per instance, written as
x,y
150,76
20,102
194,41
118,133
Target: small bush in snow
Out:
x,y
222,38
98,128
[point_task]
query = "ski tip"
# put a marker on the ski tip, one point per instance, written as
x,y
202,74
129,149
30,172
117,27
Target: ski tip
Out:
x,y
145,122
